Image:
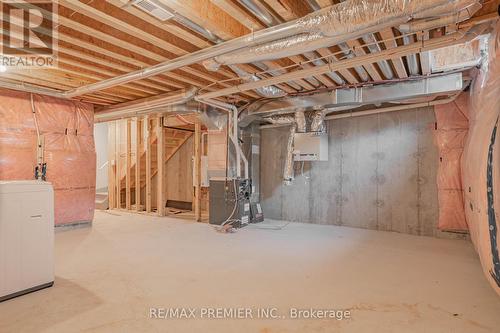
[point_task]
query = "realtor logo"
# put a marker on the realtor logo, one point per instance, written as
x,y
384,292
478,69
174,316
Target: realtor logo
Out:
x,y
29,33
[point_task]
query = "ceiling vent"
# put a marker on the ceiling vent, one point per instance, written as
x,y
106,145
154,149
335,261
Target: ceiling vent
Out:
x,y
154,10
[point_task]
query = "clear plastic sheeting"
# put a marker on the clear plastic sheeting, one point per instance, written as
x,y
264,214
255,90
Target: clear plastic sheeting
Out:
x,y
452,125
266,91
481,163
67,131
338,23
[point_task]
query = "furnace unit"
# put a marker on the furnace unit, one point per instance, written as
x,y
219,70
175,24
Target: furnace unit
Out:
x,y
230,201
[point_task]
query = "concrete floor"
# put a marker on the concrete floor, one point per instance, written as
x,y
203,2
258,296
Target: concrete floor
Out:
x,y
108,277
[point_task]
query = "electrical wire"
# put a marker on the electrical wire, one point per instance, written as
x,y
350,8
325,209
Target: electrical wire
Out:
x,y
302,173
229,219
39,151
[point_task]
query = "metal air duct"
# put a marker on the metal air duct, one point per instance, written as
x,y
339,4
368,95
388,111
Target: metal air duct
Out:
x,y
435,85
143,106
337,23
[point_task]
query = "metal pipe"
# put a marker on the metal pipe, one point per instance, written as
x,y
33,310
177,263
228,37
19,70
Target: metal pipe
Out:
x,y
404,90
302,25
267,91
318,62
288,175
259,11
349,55
374,47
26,87
426,24
143,106
233,113
334,25
428,45
261,36
411,58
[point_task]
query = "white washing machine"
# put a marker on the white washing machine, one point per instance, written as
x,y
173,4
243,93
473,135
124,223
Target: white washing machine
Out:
x,y
26,237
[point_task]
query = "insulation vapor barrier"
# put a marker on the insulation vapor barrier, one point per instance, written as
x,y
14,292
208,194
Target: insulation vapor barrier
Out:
x,y
481,163
339,23
452,125
67,131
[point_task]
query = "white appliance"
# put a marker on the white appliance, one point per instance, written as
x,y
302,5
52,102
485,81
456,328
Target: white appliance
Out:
x,y
26,237
310,146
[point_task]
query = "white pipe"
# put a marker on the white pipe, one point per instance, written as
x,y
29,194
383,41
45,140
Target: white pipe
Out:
x,y
39,144
143,106
330,22
252,39
336,24
203,136
455,38
26,87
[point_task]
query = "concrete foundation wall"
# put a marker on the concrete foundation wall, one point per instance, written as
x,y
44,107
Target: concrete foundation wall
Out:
x,y
381,175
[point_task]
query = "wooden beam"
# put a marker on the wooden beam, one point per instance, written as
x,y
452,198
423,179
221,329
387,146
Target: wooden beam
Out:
x,y
390,43
118,165
197,171
128,171
356,46
425,57
138,150
148,163
325,52
111,165
347,63
160,162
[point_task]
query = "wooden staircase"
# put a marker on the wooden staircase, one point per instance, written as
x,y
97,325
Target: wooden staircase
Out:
x,y
174,139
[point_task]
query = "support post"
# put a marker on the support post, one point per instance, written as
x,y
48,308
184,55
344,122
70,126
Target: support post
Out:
x,y
118,185
111,165
138,149
161,182
148,164
197,171
128,162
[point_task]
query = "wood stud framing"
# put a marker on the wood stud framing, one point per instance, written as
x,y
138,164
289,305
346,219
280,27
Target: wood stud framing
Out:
x,y
138,151
128,165
197,171
111,165
161,175
103,39
148,164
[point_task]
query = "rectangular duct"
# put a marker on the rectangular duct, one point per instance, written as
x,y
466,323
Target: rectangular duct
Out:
x,y
437,85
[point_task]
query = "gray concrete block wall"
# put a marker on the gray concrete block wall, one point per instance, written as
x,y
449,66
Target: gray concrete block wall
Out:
x,y
381,175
